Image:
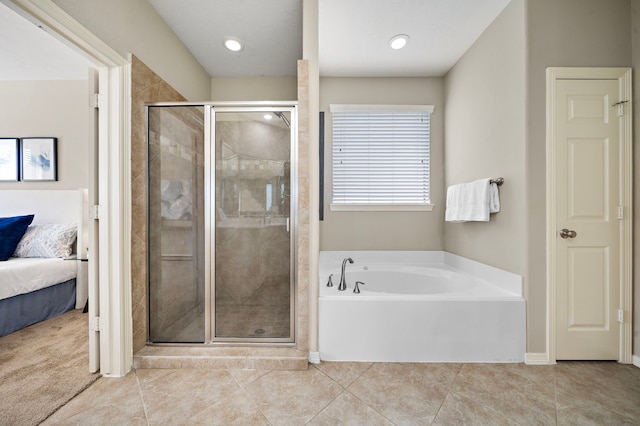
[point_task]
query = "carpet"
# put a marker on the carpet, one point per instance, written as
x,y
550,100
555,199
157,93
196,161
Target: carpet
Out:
x,y
42,367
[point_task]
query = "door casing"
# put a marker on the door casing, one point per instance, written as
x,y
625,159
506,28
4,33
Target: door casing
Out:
x,y
623,75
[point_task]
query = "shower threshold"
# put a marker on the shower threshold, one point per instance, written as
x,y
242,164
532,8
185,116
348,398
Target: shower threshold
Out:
x,y
221,357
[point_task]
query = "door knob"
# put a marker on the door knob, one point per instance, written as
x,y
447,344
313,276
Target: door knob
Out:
x,y
567,233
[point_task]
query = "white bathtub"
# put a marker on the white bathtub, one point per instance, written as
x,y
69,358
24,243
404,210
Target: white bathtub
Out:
x,y
419,307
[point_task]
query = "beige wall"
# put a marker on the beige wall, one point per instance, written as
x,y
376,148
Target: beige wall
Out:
x,y
567,33
134,26
499,116
385,230
254,89
49,108
485,136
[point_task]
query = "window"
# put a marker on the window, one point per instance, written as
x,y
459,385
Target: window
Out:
x,y
381,157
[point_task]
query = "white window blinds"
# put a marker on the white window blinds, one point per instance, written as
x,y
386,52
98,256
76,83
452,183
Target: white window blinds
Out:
x,y
380,155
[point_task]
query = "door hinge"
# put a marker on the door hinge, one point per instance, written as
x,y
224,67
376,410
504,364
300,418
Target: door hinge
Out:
x,y
95,212
94,100
620,106
620,316
620,212
94,324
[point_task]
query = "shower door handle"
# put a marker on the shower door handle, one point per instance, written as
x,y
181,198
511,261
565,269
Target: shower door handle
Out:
x,y
287,224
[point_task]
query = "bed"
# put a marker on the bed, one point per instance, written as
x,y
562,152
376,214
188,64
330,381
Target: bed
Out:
x,y
33,289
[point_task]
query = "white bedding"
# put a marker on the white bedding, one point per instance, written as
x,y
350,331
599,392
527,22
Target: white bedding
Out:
x,y
24,275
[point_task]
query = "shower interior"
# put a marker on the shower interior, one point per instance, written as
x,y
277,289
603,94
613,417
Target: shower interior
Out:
x,y
221,229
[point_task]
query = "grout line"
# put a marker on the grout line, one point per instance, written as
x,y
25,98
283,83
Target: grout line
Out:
x,y
369,406
592,365
328,404
435,416
144,406
334,399
448,393
555,396
248,395
360,375
346,390
365,403
483,405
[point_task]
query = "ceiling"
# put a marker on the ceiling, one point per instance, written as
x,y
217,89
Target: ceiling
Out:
x,y
270,29
29,53
353,39
353,34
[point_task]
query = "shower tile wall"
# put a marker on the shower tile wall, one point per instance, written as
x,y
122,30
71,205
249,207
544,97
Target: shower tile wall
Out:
x,y
302,289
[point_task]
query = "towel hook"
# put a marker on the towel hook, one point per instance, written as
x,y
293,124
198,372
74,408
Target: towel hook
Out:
x,y
498,181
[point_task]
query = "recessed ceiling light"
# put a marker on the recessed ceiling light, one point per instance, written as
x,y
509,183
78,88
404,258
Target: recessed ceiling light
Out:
x,y
232,44
398,41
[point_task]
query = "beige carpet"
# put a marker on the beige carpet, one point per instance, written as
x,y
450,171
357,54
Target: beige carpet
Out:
x,y
42,367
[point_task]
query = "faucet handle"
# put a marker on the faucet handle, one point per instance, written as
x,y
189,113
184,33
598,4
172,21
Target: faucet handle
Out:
x,y
330,282
356,289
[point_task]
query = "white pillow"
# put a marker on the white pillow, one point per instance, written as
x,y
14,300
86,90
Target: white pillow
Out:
x,y
50,240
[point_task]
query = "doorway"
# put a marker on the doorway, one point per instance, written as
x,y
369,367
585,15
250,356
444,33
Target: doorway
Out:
x,y
589,213
222,202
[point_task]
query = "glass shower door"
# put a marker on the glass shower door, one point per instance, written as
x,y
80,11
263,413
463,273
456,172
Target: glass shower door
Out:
x,y
176,230
253,289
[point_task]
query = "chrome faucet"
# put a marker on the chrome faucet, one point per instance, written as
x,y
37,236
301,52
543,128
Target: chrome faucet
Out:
x,y
356,289
330,282
343,282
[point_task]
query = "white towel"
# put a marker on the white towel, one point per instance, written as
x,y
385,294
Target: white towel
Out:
x,y
494,198
473,201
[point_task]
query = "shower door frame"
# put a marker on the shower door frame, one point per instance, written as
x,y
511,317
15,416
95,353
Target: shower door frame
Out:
x,y
210,217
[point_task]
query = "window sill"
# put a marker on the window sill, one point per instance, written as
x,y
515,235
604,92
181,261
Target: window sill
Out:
x,y
381,207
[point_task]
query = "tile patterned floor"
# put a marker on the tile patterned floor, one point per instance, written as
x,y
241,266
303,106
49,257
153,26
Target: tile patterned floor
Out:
x,y
569,393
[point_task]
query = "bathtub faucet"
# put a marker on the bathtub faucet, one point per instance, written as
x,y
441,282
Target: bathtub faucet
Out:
x,y
343,282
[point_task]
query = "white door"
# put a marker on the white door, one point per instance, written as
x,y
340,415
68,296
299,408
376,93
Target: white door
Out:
x,y
93,301
587,238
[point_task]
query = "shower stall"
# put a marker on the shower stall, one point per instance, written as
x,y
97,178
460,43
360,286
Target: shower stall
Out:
x,y
222,203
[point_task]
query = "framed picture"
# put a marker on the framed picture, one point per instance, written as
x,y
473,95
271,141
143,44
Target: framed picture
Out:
x,y
9,159
39,159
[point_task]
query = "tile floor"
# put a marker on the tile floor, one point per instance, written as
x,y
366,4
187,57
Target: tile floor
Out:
x,y
569,393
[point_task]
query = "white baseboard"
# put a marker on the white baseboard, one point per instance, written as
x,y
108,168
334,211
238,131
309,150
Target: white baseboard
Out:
x,y
536,358
636,361
314,357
